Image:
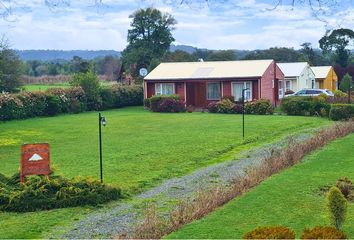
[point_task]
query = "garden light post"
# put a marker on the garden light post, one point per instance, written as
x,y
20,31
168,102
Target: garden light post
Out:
x,y
101,121
349,92
243,111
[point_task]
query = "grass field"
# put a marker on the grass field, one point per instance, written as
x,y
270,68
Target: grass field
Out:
x,y
44,87
140,150
291,198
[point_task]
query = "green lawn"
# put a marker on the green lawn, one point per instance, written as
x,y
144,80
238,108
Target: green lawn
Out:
x,y
140,150
44,87
290,198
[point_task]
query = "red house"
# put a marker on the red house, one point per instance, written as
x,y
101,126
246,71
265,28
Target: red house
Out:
x,y
199,83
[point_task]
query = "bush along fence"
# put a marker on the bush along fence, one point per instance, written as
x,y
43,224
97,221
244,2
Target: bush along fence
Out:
x,y
155,225
72,100
318,106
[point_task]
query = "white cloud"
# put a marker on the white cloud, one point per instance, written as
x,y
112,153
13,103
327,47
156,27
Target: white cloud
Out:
x,y
239,24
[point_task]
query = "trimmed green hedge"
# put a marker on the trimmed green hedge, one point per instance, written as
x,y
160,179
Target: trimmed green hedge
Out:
x,y
341,112
72,100
165,103
260,107
305,106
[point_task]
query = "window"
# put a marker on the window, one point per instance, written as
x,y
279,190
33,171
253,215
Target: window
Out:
x,y
287,85
213,91
164,88
237,88
280,89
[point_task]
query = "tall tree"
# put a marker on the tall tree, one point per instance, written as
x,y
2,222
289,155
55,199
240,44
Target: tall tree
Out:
x,y
148,40
335,43
281,54
10,68
308,54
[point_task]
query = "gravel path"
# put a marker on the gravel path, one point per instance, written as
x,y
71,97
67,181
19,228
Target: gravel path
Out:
x,y
122,217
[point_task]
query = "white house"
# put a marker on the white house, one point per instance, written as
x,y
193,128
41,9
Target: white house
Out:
x,y
298,75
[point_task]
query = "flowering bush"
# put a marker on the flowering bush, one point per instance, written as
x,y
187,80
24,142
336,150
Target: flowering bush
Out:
x,y
171,105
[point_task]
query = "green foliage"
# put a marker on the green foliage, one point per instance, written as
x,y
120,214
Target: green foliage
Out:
x,y
179,56
305,106
70,100
341,112
43,193
91,86
320,232
338,40
339,94
278,54
337,207
10,68
165,103
221,55
260,107
346,84
148,39
277,232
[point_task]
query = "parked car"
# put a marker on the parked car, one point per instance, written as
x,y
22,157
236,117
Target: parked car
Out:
x,y
312,92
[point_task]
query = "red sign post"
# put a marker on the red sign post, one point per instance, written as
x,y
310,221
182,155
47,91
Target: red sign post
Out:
x,y
35,160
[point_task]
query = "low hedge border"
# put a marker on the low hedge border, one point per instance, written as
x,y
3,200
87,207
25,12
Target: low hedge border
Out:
x,y
73,100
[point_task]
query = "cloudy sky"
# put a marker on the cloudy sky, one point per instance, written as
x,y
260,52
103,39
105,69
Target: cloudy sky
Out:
x,y
220,24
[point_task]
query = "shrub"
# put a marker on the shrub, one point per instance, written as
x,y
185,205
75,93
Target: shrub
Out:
x,y
171,105
225,106
277,232
260,107
341,111
340,94
91,86
127,95
345,186
213,107
305,106
107,97
337,206
237,108
155,100
10,107
53,105
320,232
230,98
43,192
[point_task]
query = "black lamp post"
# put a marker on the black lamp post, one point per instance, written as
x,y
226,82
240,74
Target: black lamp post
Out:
x,y
101,121
349,92
243,111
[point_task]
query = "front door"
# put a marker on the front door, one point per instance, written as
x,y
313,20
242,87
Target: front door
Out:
x,y
196,94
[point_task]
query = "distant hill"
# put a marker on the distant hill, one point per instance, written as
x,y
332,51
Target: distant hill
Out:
x,y
51,55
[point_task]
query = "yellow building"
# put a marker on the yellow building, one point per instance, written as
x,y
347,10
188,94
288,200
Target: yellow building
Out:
x,y
325,77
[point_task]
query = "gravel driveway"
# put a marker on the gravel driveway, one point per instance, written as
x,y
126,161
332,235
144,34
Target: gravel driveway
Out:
x,y
122,217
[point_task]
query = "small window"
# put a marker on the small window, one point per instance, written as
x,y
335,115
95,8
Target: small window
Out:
x,y
164,88
287,85
213,92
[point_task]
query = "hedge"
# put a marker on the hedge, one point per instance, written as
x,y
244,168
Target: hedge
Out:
x,y
305,106
165,103
260,107
341,112
72,100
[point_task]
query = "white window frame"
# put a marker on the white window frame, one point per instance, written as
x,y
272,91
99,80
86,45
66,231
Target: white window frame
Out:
x,y
290,87
244,86
219,91
159,88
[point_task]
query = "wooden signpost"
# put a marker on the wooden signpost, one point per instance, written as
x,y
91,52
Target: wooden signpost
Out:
x,y
35,160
